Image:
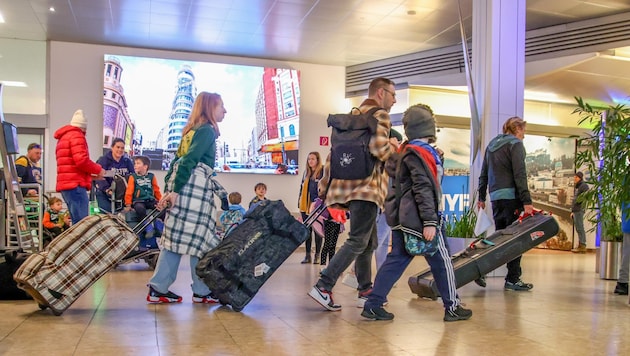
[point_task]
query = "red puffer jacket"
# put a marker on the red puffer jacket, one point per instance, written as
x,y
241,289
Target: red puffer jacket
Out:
x,y
74,167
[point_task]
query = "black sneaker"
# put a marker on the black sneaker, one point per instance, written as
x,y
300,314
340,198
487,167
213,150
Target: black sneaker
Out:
x,y
481,281
157,297
377,314
621,288
457,314
518,286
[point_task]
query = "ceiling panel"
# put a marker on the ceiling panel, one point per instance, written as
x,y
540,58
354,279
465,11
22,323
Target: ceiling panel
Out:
x,y
332,32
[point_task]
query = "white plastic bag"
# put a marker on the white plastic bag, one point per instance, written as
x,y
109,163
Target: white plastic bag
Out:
x,y
483,222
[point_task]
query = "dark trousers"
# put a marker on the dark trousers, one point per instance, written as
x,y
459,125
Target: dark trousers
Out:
x,y
359,247
331,230
309,241
141,208
505,212
397,261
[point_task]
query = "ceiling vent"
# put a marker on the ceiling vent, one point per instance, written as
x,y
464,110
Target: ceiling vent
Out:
x,y
586,36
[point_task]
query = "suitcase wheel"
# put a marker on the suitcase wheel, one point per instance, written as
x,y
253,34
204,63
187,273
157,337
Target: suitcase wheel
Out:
x,y
42,306
56,313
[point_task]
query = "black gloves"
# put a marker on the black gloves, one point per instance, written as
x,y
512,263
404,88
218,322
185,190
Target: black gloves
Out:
x,y
225,205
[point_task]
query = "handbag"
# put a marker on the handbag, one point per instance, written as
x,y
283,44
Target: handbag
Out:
x,y
416,245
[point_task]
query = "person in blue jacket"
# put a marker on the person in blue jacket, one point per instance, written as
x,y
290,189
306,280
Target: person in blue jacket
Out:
x,y
624,269
115,160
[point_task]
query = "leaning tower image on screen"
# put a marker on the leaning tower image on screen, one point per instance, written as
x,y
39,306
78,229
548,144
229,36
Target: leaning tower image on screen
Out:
x,y
185,95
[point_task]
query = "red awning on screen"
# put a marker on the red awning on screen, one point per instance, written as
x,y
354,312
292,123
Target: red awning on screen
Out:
x,y
277,147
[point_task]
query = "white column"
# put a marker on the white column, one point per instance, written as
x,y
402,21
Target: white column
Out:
x,y
498,70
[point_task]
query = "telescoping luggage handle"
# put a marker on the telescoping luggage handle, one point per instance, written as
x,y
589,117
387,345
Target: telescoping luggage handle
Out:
x,y
319,209
144,223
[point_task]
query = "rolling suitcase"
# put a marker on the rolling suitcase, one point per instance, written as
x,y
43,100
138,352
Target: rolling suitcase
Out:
x,y
246,258
484,256
74,260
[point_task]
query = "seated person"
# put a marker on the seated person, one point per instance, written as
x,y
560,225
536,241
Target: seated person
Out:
x,y
28,169
143,191
116,162
235,212
261,190
55,221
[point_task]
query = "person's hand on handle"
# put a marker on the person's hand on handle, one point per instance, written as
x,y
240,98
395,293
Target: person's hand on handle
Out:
x,y
528,209
167,201
428,232
481,205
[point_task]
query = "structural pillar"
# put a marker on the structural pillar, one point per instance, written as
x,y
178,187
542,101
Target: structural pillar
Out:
x,y
498,71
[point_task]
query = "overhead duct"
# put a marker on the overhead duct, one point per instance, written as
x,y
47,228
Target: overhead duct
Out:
x,y
600,34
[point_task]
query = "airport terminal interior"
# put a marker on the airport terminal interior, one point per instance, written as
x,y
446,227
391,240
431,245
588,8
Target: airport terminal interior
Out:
x,y
570,311
56,56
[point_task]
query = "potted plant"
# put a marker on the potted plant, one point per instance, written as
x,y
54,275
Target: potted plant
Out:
x,y
460,231
605,158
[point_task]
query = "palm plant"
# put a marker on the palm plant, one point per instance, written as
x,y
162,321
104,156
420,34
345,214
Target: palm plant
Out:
x,y
606,159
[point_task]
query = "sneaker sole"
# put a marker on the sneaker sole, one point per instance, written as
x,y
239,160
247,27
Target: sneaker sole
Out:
x,y
207,301
316,298
163,300
448,320
374,317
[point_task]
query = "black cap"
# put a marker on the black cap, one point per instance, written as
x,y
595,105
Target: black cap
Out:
x,y
579,175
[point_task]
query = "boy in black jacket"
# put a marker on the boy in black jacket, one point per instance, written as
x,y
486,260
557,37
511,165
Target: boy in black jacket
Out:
x,y
418,209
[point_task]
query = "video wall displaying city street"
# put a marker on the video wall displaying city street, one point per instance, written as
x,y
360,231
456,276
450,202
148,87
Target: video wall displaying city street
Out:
x,y
146,102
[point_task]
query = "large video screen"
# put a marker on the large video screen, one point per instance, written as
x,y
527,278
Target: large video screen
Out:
x,y
146,102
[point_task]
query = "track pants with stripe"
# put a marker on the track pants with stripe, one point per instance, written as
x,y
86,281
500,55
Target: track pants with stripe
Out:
x,y
397,261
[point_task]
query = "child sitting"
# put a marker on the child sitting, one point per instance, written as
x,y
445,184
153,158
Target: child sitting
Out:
x,y
55,221
234,214
260,189
143,191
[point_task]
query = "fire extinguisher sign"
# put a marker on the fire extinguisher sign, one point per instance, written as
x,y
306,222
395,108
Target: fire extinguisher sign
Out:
x,y
323,140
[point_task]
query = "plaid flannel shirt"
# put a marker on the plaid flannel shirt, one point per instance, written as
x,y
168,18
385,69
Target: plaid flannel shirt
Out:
x,y
190,226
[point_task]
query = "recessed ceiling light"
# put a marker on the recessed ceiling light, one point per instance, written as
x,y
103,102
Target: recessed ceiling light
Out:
x,y
51,9
10,83
411,12
1,18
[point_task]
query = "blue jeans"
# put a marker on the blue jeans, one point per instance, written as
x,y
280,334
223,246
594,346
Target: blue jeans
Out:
x,y
78,203
578,220
383,234
398,260
104,201
166,272
359,248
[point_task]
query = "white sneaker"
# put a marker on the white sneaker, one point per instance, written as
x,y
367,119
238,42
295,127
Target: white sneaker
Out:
x,y
324,298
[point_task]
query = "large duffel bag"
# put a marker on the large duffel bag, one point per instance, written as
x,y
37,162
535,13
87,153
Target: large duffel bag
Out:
x,y
74,260
252,251
482,258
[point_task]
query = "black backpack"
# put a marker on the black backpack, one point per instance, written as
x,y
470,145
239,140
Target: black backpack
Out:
x,y
350,156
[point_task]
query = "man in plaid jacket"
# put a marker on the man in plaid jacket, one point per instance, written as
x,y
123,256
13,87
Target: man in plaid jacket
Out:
x,y
362,197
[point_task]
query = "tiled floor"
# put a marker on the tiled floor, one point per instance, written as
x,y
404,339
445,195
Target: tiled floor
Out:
x,y
569,312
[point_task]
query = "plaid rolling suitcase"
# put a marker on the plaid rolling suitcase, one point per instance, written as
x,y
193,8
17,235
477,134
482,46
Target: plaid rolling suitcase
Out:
x,y
74,260
246,258
485,256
